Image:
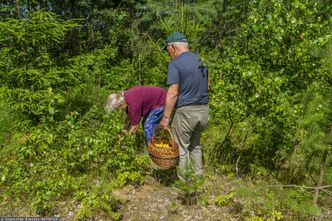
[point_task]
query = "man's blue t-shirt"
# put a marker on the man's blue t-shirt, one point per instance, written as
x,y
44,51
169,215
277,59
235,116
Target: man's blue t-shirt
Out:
x,y
188,71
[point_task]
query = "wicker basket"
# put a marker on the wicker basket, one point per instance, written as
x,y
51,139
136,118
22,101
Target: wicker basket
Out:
x,y
167,157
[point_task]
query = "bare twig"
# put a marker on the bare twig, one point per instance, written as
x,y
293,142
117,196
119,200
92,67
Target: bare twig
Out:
x,y
298,186
326,191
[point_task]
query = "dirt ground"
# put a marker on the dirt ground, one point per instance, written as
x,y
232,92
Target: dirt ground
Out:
x,y
158,200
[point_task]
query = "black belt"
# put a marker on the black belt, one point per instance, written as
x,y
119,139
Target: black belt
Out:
x,y
196,105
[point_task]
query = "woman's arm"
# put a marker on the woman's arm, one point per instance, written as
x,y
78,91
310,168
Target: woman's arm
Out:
x,y
127,123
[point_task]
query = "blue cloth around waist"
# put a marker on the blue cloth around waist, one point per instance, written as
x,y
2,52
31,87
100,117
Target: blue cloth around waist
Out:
x,y
151,121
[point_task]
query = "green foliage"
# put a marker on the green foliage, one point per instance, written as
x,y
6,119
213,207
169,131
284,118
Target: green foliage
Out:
x,y
222,32
189,18
55,73
266,200
314,133
47,165
317,118
190,187
27,66
283,36
105,27
42,87
100,200
7,117
224,200
193,184
259,77
300,203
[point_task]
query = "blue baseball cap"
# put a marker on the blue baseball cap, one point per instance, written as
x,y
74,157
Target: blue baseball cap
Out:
x,y
175,37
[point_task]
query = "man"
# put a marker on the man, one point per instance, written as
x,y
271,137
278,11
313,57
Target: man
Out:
x,y
140,101
188,95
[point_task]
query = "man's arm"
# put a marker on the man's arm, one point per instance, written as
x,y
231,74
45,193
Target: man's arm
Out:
x,y
171,98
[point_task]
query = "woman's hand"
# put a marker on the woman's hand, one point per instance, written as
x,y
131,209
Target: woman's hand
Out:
x,y
133,128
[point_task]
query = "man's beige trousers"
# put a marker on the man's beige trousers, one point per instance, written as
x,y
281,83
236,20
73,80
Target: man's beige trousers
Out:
x,y
188,124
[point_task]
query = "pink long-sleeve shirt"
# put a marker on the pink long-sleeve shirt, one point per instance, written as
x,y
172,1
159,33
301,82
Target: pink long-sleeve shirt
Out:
x,y
142,99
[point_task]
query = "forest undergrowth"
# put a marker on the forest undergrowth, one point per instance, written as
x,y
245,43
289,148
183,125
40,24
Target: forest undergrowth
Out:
x,y
221,196
267,149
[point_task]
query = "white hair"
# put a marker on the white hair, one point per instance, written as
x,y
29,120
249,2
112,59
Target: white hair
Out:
x,y
114,101
181,44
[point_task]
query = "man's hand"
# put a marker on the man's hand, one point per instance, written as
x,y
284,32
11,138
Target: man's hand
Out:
x,y
164,122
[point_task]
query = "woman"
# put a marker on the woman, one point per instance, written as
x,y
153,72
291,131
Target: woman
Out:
x,y
140,101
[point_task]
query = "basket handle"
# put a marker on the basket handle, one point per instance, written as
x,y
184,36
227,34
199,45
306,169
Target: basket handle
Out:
x,y
168,130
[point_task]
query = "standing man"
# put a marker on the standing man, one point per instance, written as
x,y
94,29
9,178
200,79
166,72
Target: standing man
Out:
x,y
188,95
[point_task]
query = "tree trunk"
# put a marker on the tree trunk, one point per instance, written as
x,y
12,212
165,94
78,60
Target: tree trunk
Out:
x,y
321,177
18,9
74,33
